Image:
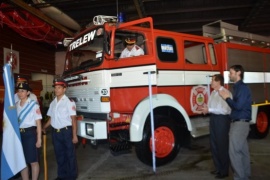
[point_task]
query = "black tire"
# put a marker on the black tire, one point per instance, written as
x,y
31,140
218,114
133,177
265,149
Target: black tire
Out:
x,y
143,148
261,129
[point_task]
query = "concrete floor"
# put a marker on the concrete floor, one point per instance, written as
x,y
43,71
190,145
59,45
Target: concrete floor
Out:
x,y
194,163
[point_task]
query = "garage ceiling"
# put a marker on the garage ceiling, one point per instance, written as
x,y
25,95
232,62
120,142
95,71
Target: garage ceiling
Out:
x,y
187,16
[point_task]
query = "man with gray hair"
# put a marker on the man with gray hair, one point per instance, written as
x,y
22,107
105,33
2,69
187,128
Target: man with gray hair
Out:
x,y
219,127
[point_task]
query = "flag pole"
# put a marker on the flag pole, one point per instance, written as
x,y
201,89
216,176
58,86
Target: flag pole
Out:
x,y
45,156
12,157
152,119
11,57
152,122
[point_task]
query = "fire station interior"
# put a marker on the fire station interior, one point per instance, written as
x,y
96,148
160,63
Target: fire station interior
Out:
x,y
35,31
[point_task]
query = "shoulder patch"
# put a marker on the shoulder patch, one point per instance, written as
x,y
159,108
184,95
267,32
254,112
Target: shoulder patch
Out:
x,y
38,111
71,100
137,47
73,108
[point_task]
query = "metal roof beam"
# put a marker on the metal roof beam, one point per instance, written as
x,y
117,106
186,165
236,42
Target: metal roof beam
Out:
x,y
253,13
197,20
140,8
43,17
197,9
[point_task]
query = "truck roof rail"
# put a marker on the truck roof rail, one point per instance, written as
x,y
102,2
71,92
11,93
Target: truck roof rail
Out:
x,y
224,32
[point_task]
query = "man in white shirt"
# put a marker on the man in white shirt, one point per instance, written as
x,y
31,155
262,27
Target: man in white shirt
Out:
x,y
131,49
219,127
62,118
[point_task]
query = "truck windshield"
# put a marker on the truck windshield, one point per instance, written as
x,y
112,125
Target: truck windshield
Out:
x,y
85,51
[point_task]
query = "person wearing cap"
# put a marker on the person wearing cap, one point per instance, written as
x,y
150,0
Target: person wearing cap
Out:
x,y
131,49
31,95
219,126
62,118
29,117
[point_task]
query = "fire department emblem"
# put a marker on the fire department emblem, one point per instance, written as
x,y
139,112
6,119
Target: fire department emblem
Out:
x,y
73,108
38,111
198,98
14,55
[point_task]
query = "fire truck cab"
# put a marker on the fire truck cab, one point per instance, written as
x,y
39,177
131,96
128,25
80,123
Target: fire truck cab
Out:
x,y
114,96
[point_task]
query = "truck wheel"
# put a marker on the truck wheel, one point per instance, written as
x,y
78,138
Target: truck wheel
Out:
x,y
167,143
261,128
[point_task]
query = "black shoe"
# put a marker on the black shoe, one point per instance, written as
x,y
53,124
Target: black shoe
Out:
x,y
215,172
58,178
221,176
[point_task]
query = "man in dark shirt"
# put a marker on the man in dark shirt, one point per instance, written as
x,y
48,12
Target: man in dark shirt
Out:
x,y
240,116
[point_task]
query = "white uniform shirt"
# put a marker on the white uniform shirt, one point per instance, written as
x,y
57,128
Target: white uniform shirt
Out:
x,y
135,51
31,96
61,111
33,115
217,105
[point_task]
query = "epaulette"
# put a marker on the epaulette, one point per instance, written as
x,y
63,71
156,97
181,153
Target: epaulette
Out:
x,y
137,47
71,100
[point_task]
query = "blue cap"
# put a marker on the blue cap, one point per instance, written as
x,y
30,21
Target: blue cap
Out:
x,y
24,86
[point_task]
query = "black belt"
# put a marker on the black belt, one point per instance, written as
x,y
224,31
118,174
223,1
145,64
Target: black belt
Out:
x,y
22,130
240,120
62,129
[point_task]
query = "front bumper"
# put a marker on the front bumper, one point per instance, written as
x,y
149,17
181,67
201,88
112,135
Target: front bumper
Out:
x,y
92,129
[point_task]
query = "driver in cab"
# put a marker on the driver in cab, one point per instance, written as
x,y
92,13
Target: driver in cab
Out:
x,y
131,49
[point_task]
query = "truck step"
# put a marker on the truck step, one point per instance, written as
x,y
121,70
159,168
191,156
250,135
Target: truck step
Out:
x,y
202,131
120,148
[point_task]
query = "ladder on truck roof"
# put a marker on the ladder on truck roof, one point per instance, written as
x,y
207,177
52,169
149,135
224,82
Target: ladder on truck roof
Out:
x,y
224,32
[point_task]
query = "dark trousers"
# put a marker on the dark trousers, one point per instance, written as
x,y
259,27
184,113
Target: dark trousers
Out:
x,y
65,154
219,142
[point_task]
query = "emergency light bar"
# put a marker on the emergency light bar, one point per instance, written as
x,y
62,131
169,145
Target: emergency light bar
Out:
x,y
101,19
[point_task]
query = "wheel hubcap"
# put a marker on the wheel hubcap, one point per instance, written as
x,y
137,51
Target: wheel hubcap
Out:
x,y
262,122
164,141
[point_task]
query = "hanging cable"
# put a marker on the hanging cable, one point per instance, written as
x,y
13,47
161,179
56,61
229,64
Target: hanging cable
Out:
x,y
117,9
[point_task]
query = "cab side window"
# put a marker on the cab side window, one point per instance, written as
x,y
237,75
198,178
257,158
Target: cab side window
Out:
x,y
195,52
212,53
129,44
166,49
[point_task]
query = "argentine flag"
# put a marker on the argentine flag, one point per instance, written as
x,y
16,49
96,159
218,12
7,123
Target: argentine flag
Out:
x,y
12,157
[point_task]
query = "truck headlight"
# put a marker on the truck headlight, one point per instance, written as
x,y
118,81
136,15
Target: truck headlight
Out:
x,y
89,129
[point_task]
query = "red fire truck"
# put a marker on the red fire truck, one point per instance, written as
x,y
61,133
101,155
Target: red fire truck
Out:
x,y
112,94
